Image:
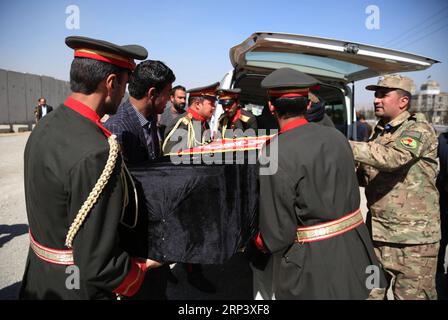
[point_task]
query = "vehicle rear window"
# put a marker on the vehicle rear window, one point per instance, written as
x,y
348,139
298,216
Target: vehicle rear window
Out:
x,y
307,63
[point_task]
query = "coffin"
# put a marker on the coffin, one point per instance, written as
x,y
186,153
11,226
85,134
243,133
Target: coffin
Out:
x,y
198,211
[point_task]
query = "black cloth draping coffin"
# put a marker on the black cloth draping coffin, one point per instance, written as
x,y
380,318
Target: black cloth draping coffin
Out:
x,y
193,213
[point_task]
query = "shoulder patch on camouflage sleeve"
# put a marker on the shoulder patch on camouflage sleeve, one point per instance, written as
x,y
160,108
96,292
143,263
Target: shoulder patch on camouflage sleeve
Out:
x,y
413,134
409,143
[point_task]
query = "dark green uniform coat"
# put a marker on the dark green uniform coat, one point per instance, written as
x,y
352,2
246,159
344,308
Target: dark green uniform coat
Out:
x,y
64,156
185,132
245,121
315,182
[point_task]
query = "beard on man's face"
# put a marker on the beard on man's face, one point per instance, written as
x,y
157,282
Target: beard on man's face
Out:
x,y
179,107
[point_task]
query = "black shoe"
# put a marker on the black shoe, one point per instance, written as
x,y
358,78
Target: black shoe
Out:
x,y
198,281
171,277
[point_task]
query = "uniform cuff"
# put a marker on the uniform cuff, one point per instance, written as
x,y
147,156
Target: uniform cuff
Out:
x,y
259,243
134,279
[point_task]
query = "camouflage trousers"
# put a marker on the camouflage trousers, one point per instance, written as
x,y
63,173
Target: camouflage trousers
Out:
x,y
410,270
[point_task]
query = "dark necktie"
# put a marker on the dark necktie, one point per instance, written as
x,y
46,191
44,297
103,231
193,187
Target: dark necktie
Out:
x,y
155,139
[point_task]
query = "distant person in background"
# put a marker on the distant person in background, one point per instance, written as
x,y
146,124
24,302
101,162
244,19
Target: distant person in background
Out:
x,y
178,96
42,109
369,127
339,121
363,129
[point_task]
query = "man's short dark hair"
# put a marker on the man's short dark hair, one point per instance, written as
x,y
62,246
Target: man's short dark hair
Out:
x,y
173,91
149,74
192,100
290,107
86,74
200,99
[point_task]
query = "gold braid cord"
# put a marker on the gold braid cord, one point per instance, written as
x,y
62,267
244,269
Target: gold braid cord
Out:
x,y
170,134
95,193
224,127
191,137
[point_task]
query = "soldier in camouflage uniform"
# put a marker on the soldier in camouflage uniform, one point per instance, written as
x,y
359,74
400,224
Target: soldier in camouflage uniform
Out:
x,y
398,167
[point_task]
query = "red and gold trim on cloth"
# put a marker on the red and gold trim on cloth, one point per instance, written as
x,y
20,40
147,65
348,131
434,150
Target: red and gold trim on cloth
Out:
x,y
131,284
86,112
227,145
330,229
111,58
55,256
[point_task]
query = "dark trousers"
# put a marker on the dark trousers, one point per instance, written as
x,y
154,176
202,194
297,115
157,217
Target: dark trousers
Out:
x,y
443,242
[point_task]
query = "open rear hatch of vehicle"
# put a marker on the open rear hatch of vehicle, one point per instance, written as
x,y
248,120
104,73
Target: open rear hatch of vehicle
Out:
x,y
327,59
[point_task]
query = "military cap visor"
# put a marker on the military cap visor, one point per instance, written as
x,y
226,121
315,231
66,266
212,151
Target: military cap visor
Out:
x,y
122,56
287,82
205,92
393,82
373,87
226,94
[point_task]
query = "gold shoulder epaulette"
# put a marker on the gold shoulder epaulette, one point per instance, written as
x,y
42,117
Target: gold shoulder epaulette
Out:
x,y
244,118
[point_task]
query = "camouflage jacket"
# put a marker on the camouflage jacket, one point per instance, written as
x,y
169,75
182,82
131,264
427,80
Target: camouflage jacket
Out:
x,y
398,167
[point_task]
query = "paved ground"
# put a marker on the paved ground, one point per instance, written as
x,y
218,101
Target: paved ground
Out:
x,y
233,279
13,221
